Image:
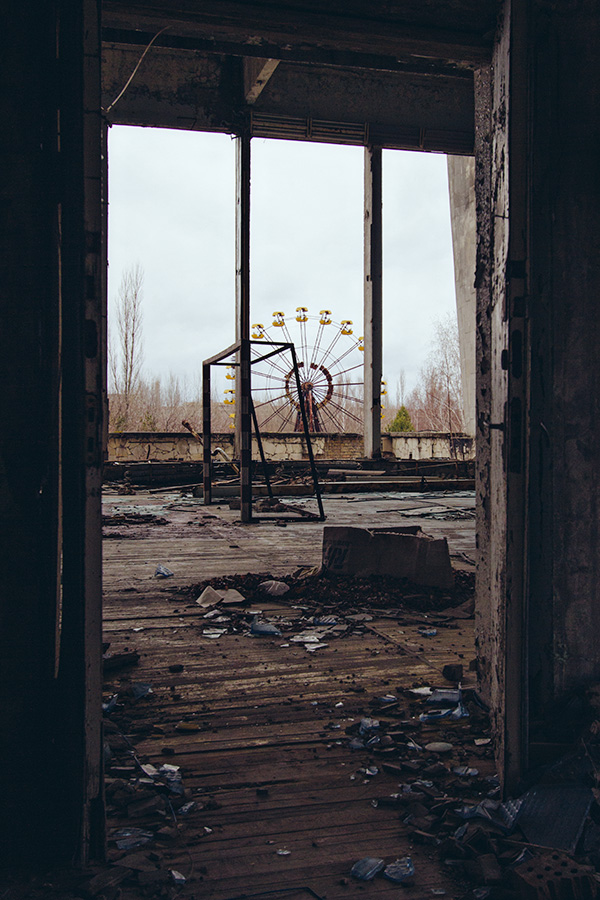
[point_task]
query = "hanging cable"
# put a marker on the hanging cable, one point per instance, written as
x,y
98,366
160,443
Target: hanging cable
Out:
x,y
132,76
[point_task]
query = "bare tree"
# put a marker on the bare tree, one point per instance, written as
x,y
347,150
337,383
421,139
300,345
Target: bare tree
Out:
x,y
401,389
435,404
126,352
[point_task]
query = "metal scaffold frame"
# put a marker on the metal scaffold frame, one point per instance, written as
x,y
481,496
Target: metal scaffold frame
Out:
x,y
247,415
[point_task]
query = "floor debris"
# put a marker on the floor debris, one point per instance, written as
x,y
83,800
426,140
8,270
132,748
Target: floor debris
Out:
x,y
257,761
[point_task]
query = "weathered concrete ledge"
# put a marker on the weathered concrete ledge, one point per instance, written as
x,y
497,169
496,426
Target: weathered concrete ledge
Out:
x,y
174,446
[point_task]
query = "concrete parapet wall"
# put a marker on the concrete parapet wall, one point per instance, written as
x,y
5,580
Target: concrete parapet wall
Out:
x,y
172,446
428,445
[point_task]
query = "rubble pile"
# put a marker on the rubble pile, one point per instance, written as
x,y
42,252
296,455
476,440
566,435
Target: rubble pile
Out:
x,y
317,589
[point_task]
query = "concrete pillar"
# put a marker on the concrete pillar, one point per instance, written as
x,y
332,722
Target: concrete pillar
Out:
x,y
242,237
373,302
243,421
461,185
82,341
495,657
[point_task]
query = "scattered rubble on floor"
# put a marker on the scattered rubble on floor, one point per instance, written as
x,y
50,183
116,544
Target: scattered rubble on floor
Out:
x,y
422,752
430,742
118,526
493,849
322,592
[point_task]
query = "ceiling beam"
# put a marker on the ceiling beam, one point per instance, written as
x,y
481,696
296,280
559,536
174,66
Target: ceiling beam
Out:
x,y
257,24
201,92
257,72
285,53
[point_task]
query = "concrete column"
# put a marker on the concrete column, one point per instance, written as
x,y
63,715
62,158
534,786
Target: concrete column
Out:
x,y
243,421
492,201
83,281
461,185
373,302
242,237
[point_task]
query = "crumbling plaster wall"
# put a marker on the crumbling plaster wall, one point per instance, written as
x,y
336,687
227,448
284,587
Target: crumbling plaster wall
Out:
x,y
491,187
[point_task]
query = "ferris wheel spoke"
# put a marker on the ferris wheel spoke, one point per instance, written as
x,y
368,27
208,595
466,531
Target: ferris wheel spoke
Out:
x,y
304,344
343,410
287,334
281,367
337,425
269,375
317,346
343,356
318,385
351,369
269,336
276,412
270,400
329,350
349,397
288,417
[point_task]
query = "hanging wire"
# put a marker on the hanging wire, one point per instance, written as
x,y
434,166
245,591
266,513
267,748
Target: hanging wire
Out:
x,y
132,76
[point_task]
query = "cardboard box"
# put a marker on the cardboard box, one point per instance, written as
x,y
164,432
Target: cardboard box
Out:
x,y
400,552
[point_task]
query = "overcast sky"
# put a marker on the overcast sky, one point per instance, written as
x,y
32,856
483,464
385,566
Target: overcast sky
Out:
x,y
172,204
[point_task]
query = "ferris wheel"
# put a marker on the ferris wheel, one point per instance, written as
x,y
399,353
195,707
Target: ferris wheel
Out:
x,y
330,369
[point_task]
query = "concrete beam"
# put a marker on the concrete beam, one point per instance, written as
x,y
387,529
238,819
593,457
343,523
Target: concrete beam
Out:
x,y
201,92
373,302
257,72
461,31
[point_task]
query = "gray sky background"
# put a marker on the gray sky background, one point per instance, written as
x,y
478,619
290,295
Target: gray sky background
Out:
x,y
172,203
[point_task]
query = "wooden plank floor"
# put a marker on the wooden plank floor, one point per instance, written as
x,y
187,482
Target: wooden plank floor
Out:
x,y
269,765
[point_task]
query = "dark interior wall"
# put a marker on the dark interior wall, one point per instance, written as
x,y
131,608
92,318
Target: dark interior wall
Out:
x,y
538,435
564,321
29,439
49,457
